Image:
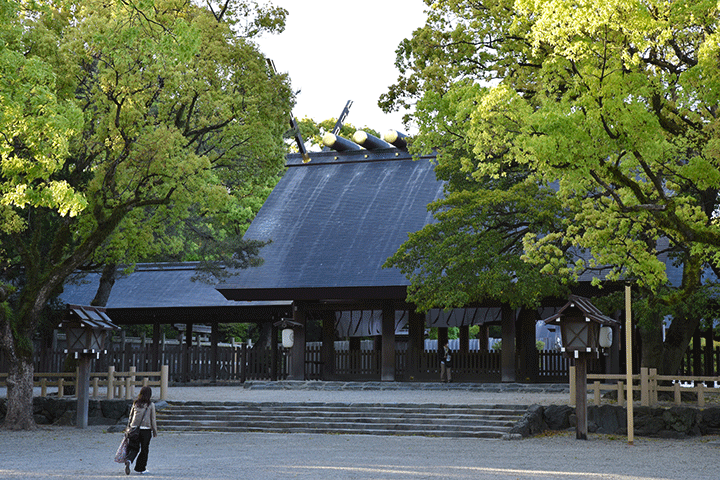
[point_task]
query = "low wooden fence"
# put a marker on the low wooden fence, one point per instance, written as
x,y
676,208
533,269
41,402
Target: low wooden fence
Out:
x,y
114,384
648,383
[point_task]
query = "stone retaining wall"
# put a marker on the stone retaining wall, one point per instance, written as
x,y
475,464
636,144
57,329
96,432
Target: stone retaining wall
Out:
x,y
673,422
63,411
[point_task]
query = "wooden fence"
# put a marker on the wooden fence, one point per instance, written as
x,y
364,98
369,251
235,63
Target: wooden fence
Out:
x,y
648,383
112,383
241,362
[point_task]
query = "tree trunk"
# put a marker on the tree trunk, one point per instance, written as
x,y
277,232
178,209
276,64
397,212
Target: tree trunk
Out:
x,y
677,340
107,280
19,414
652,348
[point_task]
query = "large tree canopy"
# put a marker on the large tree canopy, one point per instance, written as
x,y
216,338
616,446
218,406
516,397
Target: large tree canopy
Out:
x,y
121,120
611,106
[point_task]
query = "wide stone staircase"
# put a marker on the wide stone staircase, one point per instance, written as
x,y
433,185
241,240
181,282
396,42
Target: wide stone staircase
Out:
x,y
481,421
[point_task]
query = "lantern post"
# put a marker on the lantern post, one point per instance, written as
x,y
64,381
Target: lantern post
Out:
x,y
86,329
584,330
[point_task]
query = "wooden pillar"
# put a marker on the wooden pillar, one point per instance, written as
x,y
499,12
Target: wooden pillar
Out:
x,y
83,390
464,338
155,357
186,352
442,340
243,362
214,335
442,335
274,352
581,396
697,349
526,339
507,355
297,365
483,338
387,370
416,345
709,352
327,353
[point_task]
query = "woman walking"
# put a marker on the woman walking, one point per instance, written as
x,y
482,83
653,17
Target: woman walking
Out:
x,y
142,415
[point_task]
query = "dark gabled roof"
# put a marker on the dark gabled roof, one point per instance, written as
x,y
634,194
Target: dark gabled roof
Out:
x,y
166,293
586,307
88,316
149,285
333,222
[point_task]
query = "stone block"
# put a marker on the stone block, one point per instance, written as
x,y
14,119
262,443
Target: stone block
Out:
x,y
531,422
680,419
557,417
709,421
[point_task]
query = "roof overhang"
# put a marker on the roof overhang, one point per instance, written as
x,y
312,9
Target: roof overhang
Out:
x,y
319,294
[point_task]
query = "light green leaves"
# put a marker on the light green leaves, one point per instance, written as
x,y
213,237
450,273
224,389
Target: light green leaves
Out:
x,y
611,104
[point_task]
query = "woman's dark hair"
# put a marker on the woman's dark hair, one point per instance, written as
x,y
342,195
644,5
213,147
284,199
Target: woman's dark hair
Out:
x,y
143,397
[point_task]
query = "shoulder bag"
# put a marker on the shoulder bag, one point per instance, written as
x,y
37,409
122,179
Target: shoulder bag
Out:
x,y
133,434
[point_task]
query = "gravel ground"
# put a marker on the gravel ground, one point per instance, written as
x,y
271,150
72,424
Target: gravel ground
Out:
x,y
68,452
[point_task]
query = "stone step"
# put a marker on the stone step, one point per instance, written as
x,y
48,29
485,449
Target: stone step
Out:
x,y
481,421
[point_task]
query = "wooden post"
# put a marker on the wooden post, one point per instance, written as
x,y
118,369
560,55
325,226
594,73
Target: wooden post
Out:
x,y
596,392
164,377
327,352
581,395
186,352
130,384
507,353
697,353
111,382
701,393
709,352
355,355
484,338
573,385
628,364
416,346
297,368
155,357
464,335
274,353
387,371
644,387
82,390
442,339
653,386
214,334
243,362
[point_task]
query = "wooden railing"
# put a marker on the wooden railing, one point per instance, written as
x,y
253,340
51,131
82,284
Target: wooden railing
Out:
x,y
648,383
115,384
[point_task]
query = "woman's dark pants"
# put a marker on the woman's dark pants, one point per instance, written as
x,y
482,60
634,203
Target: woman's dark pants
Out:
x,y
142,447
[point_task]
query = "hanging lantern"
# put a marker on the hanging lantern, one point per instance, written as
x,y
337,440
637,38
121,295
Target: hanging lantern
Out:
x,y
288,337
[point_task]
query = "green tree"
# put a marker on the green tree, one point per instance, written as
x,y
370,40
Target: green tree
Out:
x,y
143,115
612,109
